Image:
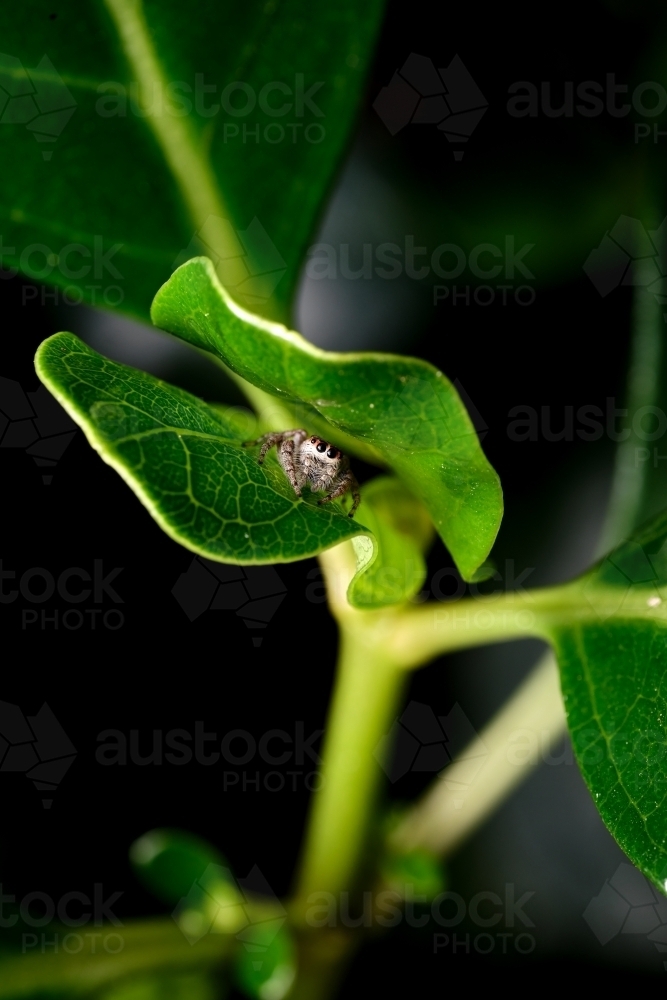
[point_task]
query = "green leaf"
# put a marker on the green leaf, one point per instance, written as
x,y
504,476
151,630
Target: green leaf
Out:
x,y
168,862
390,566
614,678
265,965
402,408
151,124
186,463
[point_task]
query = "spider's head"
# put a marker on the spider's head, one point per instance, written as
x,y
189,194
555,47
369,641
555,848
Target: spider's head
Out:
x,y
322,452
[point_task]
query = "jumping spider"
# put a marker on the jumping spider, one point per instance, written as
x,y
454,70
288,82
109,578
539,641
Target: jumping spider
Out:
x,y
313,460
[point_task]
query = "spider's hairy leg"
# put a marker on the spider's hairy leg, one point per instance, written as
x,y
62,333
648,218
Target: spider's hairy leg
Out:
x,y
274,438
345,483
267,441
356,495
286,450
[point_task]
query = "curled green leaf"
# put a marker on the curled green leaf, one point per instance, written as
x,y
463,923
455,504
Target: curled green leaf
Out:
x,y
390,564
403,409
186,462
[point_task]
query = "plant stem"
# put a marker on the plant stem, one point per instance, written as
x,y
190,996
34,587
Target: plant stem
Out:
x,y
377,650
143,947
365,700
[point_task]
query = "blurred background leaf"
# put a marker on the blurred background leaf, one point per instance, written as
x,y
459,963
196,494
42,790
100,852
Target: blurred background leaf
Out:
x,y
168,862
103,174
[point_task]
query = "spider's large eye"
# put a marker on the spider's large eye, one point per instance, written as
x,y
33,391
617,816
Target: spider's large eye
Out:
x,y
332,453
322,446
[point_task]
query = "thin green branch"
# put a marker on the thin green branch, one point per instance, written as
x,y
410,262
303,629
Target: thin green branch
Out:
x,y
90,959
410,636
643,390
451,810
506,752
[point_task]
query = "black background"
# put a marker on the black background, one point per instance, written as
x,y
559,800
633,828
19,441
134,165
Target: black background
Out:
x,y
161,671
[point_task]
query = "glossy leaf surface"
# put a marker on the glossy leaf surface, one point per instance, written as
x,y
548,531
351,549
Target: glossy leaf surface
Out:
x,y
614,678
